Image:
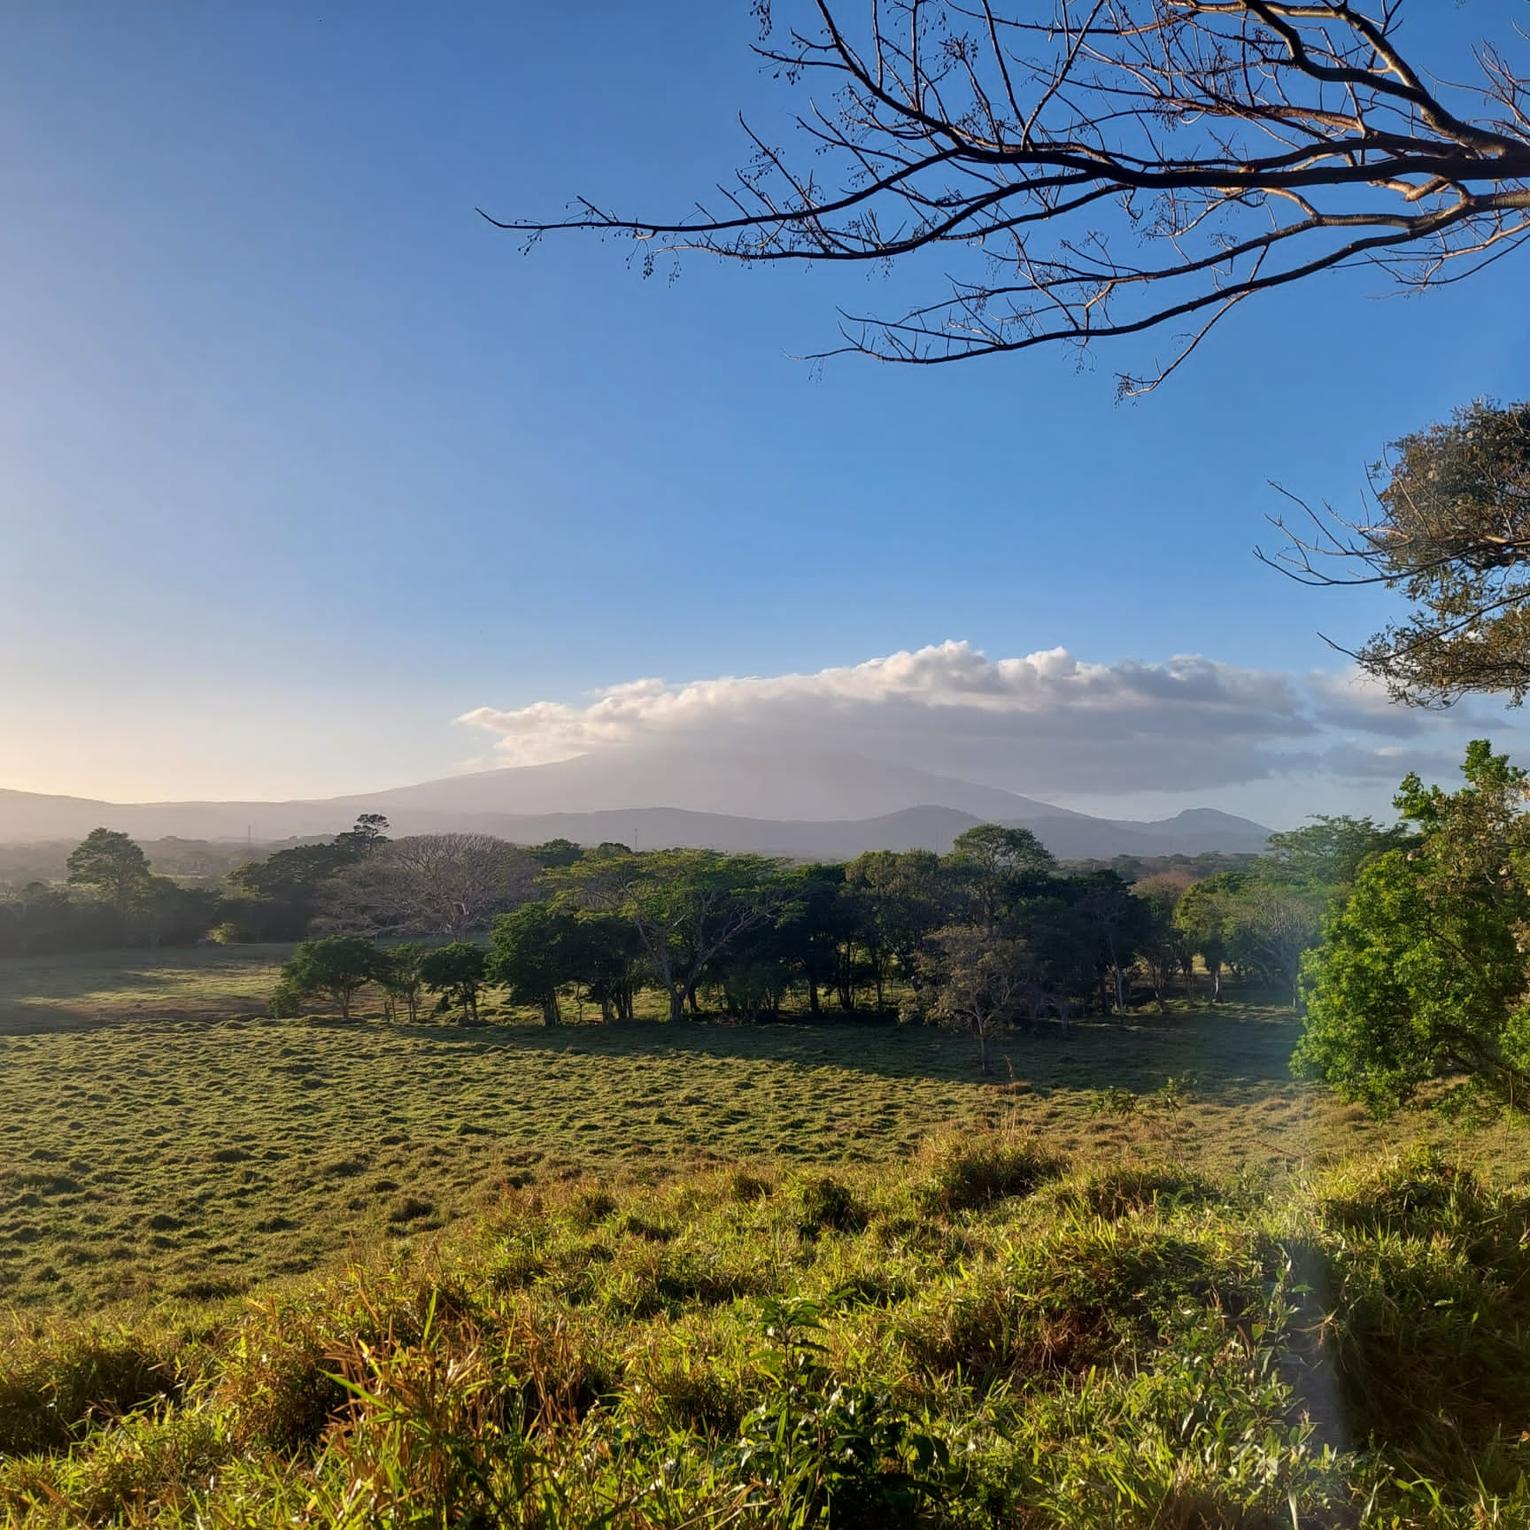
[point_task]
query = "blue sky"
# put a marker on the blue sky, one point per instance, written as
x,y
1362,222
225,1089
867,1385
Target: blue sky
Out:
x,y
304,460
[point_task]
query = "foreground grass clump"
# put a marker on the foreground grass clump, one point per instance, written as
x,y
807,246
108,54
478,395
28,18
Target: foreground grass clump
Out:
x,y
983,1335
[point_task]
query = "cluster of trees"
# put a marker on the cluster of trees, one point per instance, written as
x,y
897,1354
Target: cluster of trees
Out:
x,y
991,935
359,882
111,897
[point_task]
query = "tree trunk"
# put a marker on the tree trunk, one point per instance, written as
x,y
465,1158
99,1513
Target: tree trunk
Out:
x,y
677,1003
812,993
982,1040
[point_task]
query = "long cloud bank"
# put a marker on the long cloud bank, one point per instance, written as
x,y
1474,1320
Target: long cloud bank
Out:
x,y
1047,722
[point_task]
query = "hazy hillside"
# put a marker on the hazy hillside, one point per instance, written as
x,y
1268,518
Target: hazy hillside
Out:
x,y
755,784
827,805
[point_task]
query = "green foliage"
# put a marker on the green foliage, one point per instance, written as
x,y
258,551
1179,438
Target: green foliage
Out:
x,y
403,977
1329,852
1421,974
994,866
277,897
111,864
821,1450
1451,536
457,973
1126,1349
536,950
829,1205
961,1173
685,907
333,967
1203,917
56,1384
978,982
555,854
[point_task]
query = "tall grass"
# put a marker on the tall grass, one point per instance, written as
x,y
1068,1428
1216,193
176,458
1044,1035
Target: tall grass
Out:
x,y
982,1335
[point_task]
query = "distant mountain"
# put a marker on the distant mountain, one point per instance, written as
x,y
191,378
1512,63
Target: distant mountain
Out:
x,y
756,784
1197,831
828,805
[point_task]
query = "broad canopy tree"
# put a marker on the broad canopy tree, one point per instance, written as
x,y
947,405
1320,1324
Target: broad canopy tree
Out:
x,y
334,967
112,865
428,884
995,866
1422,972
1093,169
685,906
456,973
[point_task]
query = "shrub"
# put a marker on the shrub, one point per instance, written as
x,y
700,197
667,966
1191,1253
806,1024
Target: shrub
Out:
x,y
826,1203
1122,1191
959,1173
54,1387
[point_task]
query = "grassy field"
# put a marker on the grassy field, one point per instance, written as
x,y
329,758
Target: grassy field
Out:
x,y
304,1272
981,1334
93,988
196,1158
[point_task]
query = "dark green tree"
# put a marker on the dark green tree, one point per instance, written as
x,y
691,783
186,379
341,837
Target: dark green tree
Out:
x,y
456,973
901,897
334,967
403,980
555,853
277,897
112,866
685,907
993,865
536,950
1162,947
1202,917
813,924
1117,924
368,832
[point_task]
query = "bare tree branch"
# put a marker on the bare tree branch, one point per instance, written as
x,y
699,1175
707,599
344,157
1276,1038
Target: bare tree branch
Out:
x,y
1256,142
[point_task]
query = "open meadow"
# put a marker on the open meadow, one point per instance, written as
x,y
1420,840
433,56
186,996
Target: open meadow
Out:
x,y
305,1271
145,1155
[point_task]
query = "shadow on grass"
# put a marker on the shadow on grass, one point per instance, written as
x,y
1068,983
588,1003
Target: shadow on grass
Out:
x,y
1234,1056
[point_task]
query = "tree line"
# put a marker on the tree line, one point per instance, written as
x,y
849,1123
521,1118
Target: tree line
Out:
x,y
992,935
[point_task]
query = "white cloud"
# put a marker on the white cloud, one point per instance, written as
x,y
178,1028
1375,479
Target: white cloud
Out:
x,y
1045,723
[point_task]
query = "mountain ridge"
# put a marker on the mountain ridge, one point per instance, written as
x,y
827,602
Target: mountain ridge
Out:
x,y
853,803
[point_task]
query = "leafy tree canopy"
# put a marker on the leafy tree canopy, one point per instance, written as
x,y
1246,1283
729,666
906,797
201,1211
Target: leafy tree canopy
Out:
x,y
1421,974
1449,530
110,863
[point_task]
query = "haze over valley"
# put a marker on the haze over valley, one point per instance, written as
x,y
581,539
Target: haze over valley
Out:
x,y
797,804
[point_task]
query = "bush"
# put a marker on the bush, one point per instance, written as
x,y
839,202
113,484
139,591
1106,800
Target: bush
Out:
x,y
1112,1193
959,1173
54,1387
826,1203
